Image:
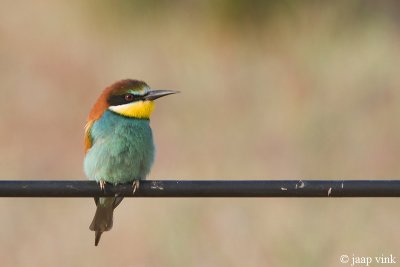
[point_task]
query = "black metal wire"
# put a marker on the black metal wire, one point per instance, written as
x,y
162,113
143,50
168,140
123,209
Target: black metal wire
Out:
x,y
219,188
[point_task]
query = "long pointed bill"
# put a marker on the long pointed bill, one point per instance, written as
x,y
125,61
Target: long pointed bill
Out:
x,y
154,94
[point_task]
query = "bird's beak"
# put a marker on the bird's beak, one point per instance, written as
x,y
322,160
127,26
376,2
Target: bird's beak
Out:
x,y
154,94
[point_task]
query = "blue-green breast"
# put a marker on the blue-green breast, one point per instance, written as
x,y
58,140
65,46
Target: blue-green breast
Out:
x,y
122,149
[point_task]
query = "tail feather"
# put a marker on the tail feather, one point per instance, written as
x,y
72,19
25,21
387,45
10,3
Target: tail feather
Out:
x,y
103,218
97,236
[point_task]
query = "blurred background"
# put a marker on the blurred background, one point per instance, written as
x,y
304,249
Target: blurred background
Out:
x,y
270,90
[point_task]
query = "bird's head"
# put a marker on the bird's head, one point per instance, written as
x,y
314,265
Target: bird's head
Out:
x,y
129,98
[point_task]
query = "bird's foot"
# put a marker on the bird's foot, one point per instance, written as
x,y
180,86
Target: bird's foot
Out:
x,y
102,185
135,185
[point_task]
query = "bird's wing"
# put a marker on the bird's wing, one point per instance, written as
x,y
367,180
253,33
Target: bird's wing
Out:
x,y
88,136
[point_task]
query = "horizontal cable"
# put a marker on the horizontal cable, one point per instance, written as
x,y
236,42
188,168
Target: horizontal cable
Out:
x,y
205,188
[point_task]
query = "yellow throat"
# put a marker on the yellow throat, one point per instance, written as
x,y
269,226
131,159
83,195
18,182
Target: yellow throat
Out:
x,y
138,109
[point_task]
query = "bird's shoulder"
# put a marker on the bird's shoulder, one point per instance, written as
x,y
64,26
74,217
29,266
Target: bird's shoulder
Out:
x,y
95,114
88,135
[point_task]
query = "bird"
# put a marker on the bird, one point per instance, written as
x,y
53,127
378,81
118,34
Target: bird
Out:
x,y
118,143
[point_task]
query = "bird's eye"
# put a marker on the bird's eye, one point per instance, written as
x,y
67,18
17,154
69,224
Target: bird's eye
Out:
x,y
129,97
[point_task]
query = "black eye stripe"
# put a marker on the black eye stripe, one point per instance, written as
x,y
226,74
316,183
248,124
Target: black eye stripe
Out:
x,y
116,100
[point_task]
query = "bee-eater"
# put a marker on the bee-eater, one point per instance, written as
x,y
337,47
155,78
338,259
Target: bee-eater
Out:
x,y
119,144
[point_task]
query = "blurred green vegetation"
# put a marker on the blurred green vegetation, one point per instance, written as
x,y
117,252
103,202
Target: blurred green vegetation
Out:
x,y
238,13
270,90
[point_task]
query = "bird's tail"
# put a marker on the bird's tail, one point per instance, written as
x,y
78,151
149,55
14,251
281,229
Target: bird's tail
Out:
x,y
103,218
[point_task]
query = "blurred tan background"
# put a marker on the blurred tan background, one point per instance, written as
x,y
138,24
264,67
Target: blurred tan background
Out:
x,y
270,90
